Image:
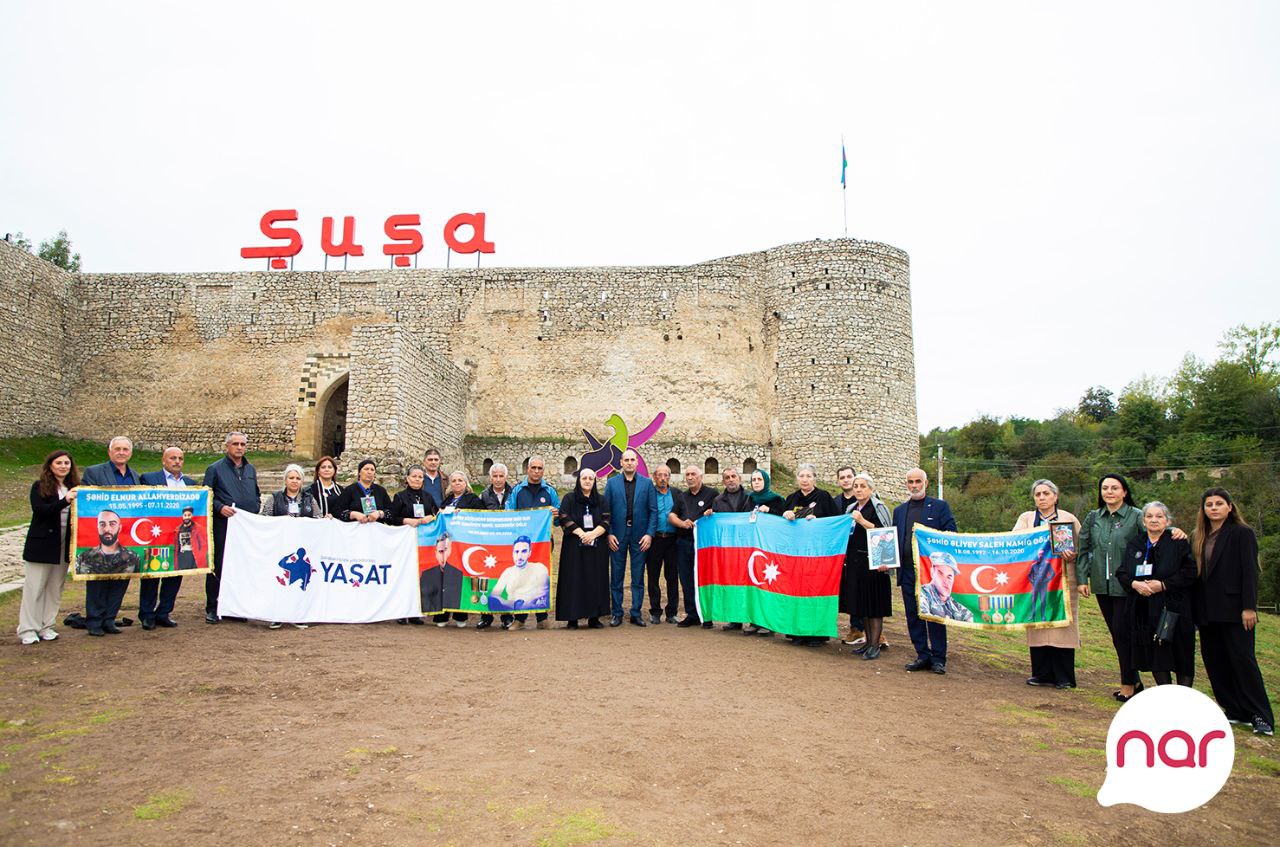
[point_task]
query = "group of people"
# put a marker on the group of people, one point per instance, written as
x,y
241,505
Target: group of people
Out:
x,y
1155,586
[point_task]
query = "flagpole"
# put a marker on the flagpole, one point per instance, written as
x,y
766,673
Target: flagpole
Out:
x,y
844,187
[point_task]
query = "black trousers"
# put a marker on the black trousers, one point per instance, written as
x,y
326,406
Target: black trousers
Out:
x,y
524,616
1121,638
1054,664
102,599
663,561
1229,659
211,583
149,590
457,616
928,637
685,559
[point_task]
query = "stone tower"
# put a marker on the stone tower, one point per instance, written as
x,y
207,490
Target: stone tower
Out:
x,y
844,366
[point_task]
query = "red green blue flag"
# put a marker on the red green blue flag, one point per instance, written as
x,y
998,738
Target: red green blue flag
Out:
x,y
844,165
995,580
779,574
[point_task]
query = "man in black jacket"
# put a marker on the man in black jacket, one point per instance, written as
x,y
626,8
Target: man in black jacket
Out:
x,y
235,486
102,597
150,610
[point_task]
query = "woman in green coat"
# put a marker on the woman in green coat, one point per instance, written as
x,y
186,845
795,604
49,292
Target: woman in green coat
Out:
x,y
1104,535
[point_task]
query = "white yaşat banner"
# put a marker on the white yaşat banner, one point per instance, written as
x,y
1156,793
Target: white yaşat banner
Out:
x,y
300,570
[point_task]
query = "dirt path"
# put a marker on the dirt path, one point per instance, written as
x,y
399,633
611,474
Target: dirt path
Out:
x,y
389,734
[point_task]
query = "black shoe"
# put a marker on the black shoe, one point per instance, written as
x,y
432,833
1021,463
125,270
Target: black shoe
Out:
x,y
594,623
857,650
148,624
872,653
111,629
95,631
1035,680
402,621
939,667
210,617
573,624
920,665
1261,727
1061,685
417,621
689,620
484,624
166,622
616,620
708,624
506,624
732,626
636,620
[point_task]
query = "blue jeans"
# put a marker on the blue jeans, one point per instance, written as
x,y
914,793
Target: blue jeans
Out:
x,y
684,558
929,638
628,540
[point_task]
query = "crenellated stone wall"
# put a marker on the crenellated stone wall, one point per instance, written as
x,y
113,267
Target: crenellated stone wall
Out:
x,y
804,350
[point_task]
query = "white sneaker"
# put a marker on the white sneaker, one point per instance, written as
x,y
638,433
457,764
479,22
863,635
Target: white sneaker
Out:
x,y
443,623
274,625
49,635
30,638
460,624
300,626
857,642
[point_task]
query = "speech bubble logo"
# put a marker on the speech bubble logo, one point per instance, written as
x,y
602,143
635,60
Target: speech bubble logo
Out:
x,y
1169,749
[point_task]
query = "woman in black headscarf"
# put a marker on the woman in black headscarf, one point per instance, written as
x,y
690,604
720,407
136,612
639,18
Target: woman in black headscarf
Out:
x,y
582,587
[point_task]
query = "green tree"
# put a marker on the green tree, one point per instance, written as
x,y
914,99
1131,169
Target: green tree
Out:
x,y
1253,347
58,251
1097,404
20,240
1141,416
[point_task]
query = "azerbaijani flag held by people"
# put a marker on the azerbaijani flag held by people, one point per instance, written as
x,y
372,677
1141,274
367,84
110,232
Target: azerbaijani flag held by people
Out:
x,y
779,574
994,580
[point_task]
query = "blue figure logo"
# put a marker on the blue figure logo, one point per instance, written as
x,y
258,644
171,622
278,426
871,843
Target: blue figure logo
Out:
x,y
297,568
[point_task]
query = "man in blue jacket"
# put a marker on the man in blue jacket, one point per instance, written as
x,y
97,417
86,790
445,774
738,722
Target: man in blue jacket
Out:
x,y
929,638
151,612
533,493
102,597
633,505
235,486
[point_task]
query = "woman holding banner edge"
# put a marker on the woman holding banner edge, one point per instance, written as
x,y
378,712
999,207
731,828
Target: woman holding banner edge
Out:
x,y
1053,650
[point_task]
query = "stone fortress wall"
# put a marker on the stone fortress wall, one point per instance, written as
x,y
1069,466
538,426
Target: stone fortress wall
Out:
x,y
799,353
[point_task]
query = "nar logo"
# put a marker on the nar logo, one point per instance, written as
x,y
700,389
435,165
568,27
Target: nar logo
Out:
x,y
1169,749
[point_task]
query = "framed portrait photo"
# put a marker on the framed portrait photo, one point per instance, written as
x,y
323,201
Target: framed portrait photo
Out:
x,y
882,547
1062,535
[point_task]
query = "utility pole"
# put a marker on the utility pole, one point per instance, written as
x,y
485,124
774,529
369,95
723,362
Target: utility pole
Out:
x,y
940,497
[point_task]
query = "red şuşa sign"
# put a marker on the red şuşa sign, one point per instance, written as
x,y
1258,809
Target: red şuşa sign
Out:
x,y
404,239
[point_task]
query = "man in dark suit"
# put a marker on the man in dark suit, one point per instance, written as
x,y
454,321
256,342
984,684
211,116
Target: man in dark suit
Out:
x,y
235,486
632,501
929,638
150,611
102,597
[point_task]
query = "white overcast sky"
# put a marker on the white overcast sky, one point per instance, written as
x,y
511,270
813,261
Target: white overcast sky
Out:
x,y
1087,190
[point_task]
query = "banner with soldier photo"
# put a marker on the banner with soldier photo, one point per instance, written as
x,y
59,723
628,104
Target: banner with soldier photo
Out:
x,y
141,531
487,562
995,580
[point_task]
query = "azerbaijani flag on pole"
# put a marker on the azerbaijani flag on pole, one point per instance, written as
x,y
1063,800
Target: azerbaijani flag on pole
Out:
x,y
844,164
995,580
779,574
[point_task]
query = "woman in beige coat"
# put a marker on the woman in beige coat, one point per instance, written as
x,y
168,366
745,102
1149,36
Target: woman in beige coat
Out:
x,y
1053,651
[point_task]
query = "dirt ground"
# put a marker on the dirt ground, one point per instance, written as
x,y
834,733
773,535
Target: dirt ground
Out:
x,y
389,734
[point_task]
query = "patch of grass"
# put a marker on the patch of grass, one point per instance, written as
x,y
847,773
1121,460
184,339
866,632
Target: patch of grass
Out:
x,y
1075,786
360,756
108,716
1267,766
64,732
64,779
162,805
1086,753
585,827
4,767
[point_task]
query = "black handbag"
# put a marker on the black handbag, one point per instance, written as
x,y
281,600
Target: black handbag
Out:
x,y
1167,627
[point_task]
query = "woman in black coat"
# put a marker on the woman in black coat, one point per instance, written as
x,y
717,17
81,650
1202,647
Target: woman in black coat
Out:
x,y
325,489
363,501
460,495
46,552
809,501
413,505
582,587
872,591
1226,603
1158,572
